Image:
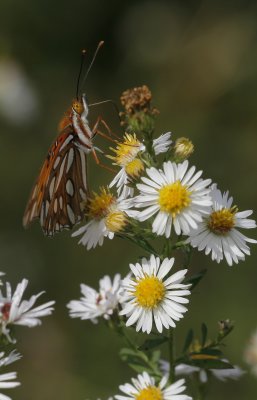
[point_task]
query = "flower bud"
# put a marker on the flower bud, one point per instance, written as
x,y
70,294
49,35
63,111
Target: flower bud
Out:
x,y
183,149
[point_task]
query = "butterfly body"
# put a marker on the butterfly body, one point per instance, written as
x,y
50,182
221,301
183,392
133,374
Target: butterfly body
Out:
x,y
61,189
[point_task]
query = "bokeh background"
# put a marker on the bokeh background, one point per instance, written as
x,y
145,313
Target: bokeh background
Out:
x,y
200,60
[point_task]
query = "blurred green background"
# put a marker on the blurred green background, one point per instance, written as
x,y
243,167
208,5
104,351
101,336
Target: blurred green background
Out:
x,y
200,60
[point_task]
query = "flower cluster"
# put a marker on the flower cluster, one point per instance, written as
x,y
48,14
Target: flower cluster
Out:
x,y
143,297
157,194
173,197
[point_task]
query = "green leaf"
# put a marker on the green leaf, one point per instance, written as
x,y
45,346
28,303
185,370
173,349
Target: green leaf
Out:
x,y
150,344
195,279
204,333
141,242
211,364
188,341
210,352
138,367
155,356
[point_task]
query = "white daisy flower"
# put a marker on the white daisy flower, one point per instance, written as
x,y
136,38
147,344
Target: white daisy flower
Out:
x,y
12,357
95,304
221,374
162,143
149,297
127,156
7,377
144,388
178,196
1,274
218,235
108,215
17,312
250,354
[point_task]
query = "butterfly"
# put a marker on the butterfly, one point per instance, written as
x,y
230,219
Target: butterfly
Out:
x,y
61,188
59,195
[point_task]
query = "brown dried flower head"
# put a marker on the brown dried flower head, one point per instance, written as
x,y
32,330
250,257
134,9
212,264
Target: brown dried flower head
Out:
x,y
137,99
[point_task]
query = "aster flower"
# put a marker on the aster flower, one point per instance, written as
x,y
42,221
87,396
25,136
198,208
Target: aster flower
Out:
x,y
95,304
220,374
149,297
250,354
127,156
144,387
162,143
178,196
218,235
14,311
107,215
12,357
10,376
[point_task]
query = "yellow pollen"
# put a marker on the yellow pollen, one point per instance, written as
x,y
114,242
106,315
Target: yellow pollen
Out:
x,y
99,204
221,222
149,292
134,168
174,198
116,221
126,151
150,393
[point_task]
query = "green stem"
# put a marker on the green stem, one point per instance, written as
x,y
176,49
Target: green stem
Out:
x,y
121,330
140,242
172,356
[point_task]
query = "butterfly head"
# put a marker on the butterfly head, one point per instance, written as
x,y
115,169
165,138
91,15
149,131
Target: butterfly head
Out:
x,y
79,106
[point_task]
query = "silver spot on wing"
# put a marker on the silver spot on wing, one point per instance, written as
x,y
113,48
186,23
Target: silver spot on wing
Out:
x,y
51,187
69,187
70,159
57,162
70,214
61,172
61,202
67,141
55,206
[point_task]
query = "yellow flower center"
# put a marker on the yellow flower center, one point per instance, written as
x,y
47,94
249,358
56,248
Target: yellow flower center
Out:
x,y
149,292
126,151
174,198
150,393
134,168
116,221
222,221
99,204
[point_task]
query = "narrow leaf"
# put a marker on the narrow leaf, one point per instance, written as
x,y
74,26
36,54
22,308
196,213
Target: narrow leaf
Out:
x,y
195,279
204,333
150,344
188,341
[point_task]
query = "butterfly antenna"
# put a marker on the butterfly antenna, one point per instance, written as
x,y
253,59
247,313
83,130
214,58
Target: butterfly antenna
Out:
x,y
107,101
83,53
100,44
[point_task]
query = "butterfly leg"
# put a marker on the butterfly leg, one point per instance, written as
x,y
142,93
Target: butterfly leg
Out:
x,y
108,129
98,162
109,134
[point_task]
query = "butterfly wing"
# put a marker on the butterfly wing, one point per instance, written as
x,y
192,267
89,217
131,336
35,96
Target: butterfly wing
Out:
x,y
61,188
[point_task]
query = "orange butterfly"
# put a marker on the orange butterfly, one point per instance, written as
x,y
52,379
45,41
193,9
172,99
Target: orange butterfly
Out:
x,y
61,188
